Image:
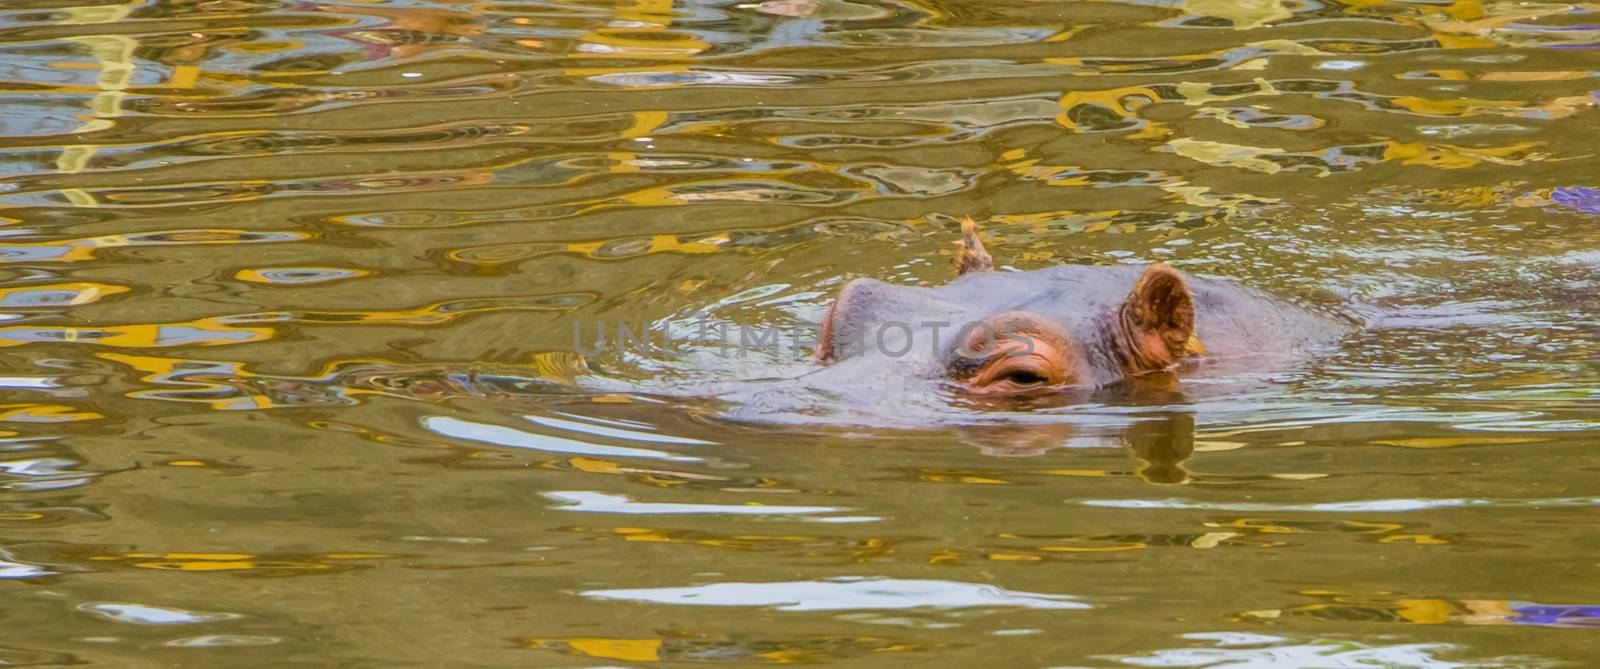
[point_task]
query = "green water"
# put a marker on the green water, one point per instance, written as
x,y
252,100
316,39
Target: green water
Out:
x,y
288,293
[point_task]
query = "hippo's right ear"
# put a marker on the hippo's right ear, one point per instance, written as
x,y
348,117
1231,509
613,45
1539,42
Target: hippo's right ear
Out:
x,y
972,257
1158,321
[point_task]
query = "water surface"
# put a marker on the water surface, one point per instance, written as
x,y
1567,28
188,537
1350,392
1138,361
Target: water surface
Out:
x,y
287,292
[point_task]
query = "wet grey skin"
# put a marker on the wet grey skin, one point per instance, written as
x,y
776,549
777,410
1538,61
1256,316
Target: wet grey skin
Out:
x,y
1024,347
1231,321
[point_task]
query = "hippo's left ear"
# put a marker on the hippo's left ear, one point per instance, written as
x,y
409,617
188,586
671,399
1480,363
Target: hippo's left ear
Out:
x,y
1158,321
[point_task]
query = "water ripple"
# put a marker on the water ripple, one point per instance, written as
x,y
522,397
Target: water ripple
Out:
x,y
287,293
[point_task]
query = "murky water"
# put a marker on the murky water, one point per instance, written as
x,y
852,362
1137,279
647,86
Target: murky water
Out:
x,y
289,287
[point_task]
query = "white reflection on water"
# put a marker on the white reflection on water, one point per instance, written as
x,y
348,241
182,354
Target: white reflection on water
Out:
x,y
599,502
500,435
220,640
10,567
1230,651
29,382
1340,507
142,614
42,473
613,432
846,593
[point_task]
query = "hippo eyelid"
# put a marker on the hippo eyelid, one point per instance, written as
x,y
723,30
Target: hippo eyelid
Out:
x,y
964,366
1008,325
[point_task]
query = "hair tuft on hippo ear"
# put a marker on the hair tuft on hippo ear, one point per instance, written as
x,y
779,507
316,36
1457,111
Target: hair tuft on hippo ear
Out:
x,y
1158,320
972,257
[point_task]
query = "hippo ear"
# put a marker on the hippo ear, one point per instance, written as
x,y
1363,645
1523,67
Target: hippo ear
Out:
x,y
841,333
1158,320
972,257
825,350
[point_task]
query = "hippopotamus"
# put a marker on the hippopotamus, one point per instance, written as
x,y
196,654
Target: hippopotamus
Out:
x,y
1029,360
1058,332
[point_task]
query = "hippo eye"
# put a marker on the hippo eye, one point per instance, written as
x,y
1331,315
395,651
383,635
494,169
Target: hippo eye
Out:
x,y
1025,377
1013,375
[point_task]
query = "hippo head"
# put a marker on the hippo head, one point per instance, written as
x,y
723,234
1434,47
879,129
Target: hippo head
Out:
x,y
1014,334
